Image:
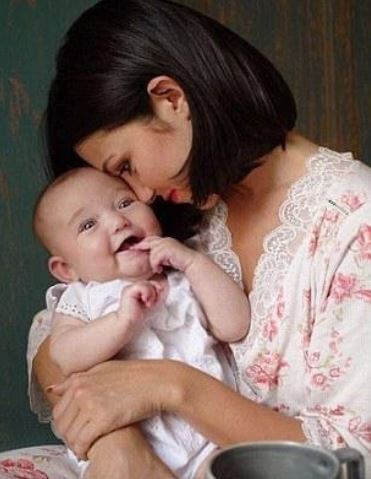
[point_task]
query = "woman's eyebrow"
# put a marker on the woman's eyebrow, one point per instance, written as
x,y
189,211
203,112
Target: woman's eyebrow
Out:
x,y
126,190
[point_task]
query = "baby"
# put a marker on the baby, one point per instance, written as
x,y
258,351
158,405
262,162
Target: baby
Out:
x,y
118,298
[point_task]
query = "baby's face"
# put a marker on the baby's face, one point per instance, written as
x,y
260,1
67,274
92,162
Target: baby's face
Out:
x,y
95,219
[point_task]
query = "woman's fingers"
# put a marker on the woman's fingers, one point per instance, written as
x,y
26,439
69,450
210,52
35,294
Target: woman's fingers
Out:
x,y
67,414
84,437
109,396
74,416
75,436
58,389
65,390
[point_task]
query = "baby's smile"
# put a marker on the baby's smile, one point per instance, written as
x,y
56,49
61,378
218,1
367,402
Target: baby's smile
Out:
x,y
128,242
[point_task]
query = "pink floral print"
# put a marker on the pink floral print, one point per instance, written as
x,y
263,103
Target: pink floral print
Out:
x,y
267,370
345,287
270,329
363,243
324,305
331,216
327,366
360,429
353,200
21,469
313,243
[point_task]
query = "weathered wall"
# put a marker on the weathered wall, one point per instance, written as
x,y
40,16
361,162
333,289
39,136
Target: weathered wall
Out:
x,y
321,47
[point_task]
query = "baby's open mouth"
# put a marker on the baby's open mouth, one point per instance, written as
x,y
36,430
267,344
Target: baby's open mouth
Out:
x,y
128,243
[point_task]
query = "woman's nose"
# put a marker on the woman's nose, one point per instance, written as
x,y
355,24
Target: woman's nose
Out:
x,y
144,193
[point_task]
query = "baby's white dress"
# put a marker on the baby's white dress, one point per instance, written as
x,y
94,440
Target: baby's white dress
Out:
x,y
172,330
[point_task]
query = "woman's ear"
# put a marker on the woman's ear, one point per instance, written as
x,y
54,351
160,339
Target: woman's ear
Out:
x,y
61,270
168,99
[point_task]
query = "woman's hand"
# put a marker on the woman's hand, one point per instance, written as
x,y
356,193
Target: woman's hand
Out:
x,y
112,395
124,453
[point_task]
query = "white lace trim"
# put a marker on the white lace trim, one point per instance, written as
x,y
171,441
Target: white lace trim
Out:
x,y
216,241
40,330
72,309
280,245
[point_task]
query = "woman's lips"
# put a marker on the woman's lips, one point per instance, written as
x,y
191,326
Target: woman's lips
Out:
x,y
173,196
177,196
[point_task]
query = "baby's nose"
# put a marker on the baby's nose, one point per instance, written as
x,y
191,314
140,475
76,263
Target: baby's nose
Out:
x,y
118,222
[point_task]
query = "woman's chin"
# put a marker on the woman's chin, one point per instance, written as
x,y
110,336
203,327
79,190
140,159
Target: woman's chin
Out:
x,y
210,202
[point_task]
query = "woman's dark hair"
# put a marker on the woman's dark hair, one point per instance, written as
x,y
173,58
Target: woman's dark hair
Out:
x,y
240,106
179,221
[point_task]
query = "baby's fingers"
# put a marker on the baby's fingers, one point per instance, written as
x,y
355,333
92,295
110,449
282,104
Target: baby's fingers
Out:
x,y
159,257
147,243
146,293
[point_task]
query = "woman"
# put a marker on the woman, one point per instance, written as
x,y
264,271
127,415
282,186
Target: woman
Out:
x,y
197,115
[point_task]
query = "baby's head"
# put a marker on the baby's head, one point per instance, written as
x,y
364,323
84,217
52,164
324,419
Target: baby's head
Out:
x,y
88,221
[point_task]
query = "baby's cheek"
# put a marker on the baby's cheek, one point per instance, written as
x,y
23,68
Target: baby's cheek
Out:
x,y
155,228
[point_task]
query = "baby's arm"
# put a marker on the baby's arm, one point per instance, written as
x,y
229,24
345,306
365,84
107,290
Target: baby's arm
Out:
x,y
225,304
76,346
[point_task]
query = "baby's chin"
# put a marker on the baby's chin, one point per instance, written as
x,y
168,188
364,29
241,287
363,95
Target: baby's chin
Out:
x,y
139,277
143,273
144,276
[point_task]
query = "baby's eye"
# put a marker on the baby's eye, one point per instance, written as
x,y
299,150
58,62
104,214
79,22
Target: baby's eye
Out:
x,y
124,203
86,225
124,167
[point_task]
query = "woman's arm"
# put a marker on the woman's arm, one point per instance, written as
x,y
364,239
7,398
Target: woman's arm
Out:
x,y
47,372
227,417
119,393
121,450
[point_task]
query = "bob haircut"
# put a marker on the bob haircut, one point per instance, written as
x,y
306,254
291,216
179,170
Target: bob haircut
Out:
x,y
240,106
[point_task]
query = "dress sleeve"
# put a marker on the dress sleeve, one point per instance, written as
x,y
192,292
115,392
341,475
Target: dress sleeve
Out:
x,y
40,329
74,302
337,353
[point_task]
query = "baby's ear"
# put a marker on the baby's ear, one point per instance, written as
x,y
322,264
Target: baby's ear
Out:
x,y
61,270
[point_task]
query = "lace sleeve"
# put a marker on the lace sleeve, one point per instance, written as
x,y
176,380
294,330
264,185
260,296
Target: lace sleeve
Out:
x,y
40,329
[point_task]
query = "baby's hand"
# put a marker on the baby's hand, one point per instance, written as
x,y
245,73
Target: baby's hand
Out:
x,y
167,252
136,299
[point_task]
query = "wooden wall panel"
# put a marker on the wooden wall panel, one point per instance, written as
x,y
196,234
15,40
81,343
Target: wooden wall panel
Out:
x,y
321,47
29,33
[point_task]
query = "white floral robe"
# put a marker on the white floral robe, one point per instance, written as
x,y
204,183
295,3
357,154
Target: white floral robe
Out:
x,y
307,352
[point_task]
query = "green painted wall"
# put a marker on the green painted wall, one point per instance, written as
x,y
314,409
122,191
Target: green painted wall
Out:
x,y
319,45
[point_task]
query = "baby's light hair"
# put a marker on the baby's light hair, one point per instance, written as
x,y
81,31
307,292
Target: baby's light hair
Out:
x,y
38,220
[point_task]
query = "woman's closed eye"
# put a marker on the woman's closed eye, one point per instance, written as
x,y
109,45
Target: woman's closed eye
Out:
x,y
86,225
124,167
